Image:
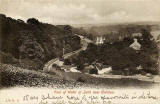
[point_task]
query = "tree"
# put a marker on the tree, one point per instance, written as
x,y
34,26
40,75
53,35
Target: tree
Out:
x,y
68,28
19,20
32,21
67,62
93,71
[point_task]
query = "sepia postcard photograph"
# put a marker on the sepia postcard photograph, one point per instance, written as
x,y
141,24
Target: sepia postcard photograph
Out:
x,y
79,51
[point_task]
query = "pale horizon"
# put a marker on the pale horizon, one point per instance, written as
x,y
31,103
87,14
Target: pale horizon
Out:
x,y
83,11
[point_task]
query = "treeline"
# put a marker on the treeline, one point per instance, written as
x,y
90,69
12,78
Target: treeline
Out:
x,y
113,33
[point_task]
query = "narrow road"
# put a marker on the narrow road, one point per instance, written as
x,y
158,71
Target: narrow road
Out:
x,y
48,66
74,76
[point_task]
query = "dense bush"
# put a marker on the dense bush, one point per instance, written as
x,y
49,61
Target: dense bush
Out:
x,y
67,62
93,71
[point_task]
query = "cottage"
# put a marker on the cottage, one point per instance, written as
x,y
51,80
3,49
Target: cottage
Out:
x,y
135,45
100,40
105,70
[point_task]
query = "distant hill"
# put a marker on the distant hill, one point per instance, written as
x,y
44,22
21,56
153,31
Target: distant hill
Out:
x,y
104,28
34,43
111,24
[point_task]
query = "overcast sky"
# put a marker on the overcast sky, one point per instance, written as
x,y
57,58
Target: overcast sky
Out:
x,y
82,11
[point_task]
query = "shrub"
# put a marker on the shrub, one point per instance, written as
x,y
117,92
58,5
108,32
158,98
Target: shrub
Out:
x,y
32,21
93,71
67,62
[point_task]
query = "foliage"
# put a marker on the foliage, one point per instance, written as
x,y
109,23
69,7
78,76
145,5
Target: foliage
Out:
x,y
120,56
32,21
35,43
67,62
93,71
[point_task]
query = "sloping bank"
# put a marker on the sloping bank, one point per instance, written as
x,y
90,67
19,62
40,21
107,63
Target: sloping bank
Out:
x,y
15,76
33,43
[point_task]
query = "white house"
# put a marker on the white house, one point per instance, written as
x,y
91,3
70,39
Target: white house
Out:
x,y
100,40
135,45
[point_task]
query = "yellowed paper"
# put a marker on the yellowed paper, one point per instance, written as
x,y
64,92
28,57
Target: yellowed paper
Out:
x,y
79,51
